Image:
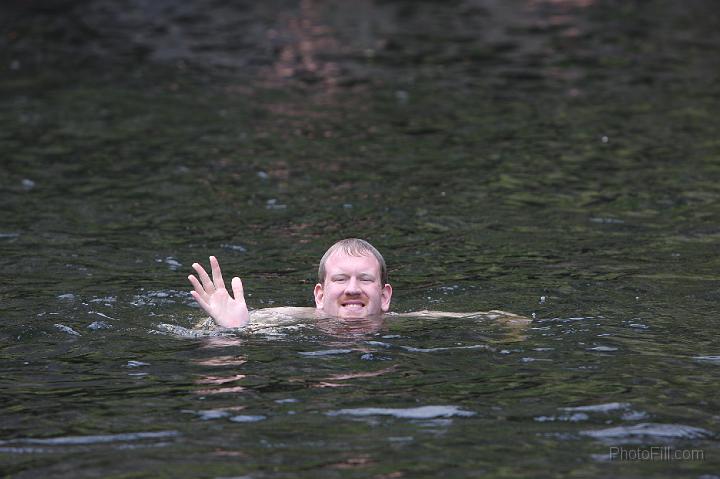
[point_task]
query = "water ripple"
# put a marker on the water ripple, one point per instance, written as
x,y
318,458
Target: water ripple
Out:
x,y
66,329
326,352
423,412
668,431
98,439
711,359
611,406
432,350
247,418
577,417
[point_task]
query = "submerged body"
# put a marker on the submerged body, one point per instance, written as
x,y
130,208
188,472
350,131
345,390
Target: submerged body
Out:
x,y
352,294
274,319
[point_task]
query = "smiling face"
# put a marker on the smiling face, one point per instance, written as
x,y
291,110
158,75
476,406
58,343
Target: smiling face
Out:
x,y
352,287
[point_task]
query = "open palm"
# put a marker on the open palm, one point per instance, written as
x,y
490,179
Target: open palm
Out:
x,y
227,311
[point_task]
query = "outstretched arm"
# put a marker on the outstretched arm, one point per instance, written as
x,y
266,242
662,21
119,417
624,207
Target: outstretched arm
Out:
x,y
212,296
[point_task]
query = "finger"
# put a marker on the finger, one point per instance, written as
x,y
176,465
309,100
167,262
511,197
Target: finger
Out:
x,y
198,287
217,275
206,282
237,288
203,304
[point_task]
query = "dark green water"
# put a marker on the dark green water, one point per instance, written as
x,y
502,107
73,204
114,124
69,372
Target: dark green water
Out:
x,y
557,159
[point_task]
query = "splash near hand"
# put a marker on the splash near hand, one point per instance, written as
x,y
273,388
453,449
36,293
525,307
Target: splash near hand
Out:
x,y
227,311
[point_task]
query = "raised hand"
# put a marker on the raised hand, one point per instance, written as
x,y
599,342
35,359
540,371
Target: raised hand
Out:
x,y
212,296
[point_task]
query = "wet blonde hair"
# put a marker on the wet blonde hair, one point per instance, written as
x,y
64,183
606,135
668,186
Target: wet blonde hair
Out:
x,y
353,247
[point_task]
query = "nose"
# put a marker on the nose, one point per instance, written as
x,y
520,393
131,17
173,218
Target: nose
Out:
x,y
353,286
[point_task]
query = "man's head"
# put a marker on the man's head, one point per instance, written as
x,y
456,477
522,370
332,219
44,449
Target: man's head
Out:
x,y
352,281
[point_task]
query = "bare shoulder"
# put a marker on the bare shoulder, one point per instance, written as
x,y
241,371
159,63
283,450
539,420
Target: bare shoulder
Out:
x,y
494,314
426,313
509,318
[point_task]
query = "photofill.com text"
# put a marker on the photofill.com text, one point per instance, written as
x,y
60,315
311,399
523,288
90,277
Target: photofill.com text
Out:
x,y
655,453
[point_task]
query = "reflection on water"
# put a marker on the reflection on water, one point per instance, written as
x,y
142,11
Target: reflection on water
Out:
x,y
302,44
556,159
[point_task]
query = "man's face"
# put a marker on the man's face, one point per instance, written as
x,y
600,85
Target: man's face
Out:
x,y
352,287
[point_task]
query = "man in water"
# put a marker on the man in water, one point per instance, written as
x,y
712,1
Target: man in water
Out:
x,y
351,295
352,284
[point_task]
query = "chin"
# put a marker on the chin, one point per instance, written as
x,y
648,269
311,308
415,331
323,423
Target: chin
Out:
x,y
364,313
342,313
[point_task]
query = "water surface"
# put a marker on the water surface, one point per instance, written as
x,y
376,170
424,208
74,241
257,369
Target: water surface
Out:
x,y
554,159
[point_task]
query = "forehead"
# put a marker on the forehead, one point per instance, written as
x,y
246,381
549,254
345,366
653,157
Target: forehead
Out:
x,y
339,261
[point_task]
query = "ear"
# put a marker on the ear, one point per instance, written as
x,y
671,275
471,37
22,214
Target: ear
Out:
x,y
385,296
319,296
